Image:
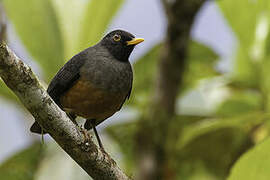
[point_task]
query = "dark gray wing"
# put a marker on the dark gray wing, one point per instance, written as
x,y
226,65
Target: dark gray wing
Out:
x,y
66,77
62,81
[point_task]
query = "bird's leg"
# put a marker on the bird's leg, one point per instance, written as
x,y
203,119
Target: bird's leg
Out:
x,y
98,139
91,123
73,119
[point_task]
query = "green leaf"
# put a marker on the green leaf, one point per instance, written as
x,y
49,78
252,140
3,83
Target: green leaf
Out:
x,y
69,16
23,165
254,164
249,21
98,15
265,84
35,23
83,23
195,130
215,151
246,72
242,16
240,102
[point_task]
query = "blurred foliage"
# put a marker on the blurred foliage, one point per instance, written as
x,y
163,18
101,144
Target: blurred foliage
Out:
x,y
254,164
251,28
39,31
83,23
55,30
206,147
69,17
145,70
201,61
41,162
240,102
96,20
23,165
125,133
215,151
57,165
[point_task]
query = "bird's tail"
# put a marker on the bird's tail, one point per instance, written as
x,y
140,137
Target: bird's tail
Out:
x,y
36,128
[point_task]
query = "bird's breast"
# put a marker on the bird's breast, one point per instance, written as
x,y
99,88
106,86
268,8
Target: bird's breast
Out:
x,y
88,101
108,74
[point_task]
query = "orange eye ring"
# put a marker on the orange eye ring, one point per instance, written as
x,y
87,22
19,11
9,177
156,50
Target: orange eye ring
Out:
x,y
116,37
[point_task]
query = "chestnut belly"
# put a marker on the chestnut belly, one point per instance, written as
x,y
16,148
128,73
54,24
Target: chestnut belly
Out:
x,y
89,102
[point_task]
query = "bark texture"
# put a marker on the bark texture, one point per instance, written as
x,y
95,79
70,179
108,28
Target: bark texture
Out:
x,y
155,138
22,81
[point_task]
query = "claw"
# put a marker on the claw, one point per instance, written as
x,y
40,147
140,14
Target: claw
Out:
x,y
86,135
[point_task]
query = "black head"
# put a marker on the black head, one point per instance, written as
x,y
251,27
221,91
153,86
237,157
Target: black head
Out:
x,y
120,44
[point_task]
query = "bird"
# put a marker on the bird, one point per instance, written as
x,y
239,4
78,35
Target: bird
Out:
x,y
95,83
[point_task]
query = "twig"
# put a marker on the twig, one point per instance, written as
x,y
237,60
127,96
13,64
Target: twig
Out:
x,y
23,82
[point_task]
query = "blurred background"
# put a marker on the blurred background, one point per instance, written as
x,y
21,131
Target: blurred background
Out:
x,y
200,99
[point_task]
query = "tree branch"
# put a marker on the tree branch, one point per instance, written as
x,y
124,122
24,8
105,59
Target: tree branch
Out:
x,y
23,82
156,134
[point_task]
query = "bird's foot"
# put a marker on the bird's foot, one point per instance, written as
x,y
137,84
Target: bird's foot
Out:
x,y
86,141
86,135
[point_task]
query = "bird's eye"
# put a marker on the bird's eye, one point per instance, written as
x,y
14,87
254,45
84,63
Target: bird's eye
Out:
x,y
116,37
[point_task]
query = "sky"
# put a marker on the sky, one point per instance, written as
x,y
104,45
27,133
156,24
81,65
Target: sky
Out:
x,y
142,18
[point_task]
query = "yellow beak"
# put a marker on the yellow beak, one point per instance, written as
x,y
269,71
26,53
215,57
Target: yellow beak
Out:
x,y
135,41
